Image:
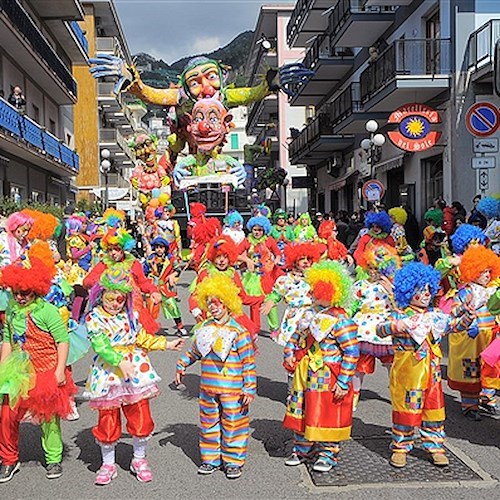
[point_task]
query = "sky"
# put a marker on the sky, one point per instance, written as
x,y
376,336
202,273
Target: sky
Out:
x,y
171,29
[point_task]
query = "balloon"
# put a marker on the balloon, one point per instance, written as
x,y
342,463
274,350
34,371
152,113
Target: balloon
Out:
x,y
164,198
155,192
155,203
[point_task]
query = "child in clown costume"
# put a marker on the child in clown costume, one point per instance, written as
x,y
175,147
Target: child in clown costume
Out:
x,y
399,217
322,358
167,227
121,378
233,226
33,373
282,233
415,378
373,303
228,380
304,230
478,268
335,249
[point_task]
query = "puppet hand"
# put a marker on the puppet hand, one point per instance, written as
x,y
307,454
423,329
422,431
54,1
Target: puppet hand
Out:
x,y
290,75
180,171
238,170
106,65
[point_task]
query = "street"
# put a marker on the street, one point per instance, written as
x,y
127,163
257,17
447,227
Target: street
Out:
x,y
173,448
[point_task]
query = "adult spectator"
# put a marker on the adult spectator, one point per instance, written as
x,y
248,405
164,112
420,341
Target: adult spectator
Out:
x,y
412,229
318,219
342,221
17,99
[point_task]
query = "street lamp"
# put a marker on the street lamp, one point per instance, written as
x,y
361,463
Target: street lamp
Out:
x,y
371,144
105,168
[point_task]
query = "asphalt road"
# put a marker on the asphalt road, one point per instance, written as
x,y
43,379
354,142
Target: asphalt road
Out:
x,y
173,448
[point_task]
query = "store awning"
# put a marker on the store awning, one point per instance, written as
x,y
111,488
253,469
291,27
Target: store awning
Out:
x,y
113,193
342,181
390,164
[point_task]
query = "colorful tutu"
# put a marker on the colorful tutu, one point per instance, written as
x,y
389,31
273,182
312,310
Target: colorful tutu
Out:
x,y
17,377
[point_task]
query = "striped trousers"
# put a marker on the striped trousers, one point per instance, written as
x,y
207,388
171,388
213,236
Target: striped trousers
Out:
x,y
327,451
432,434
224,429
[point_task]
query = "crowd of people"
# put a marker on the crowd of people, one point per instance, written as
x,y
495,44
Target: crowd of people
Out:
x,y
355,290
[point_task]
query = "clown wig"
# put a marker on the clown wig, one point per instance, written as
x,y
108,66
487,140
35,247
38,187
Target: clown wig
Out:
x,y
261,221
280,213
74,224
232,218
262,210
489,207
382,257
398,215
119,237
116,279
18,219
197,210
380,219
297,251
435,216
223,288
113,217
477,259
222,245
464,236
326,228
41,250
44,225
210,228
330,281
412,278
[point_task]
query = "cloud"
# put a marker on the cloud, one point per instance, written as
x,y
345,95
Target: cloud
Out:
x,y
206,44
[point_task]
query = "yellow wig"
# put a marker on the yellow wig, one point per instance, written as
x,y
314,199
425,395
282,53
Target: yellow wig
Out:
x,y
399,215
224,289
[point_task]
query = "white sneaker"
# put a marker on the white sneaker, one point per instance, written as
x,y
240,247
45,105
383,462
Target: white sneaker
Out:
x,y
293,460
73,415
322,466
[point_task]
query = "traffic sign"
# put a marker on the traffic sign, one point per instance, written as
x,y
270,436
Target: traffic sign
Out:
x,y
486,145
482,119
373,190
484,180
480,162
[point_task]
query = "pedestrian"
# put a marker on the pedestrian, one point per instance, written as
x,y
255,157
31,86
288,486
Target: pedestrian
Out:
x,y
228,381
318,219
17,98
342,222
412,229
121,378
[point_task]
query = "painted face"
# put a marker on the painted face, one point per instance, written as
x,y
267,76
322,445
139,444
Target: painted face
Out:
x,y
145,150
484,278
422,297
216,308
116,253
209,124
221,262
21,232
113,301
304,222
257,232
24,298
237,225
376,229
303,263
203,80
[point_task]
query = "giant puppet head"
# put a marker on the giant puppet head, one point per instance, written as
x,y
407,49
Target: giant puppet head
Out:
x,y
210,122
203,77
144,147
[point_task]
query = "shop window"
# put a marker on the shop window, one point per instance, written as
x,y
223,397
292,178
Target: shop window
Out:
x,y
16,193
432,180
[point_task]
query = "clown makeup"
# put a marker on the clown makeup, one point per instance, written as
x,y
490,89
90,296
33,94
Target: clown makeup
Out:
x,y
24,297
113,301
216,308
422,298
484,278
257,231
373,274
221,262
376,229
116,253
21,232
203,80
303,263
209,124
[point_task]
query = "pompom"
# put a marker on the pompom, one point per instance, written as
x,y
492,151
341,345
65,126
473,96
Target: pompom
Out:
x,y
489,207
464,236
330,281
381,219
222,245
411,278
398,215
295,251
261,221
435,216
477,259
223,288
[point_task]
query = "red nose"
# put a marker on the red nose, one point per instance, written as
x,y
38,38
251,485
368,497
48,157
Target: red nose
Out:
x,y
208,90
204,128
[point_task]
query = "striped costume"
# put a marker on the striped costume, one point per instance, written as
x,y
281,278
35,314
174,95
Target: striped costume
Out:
x,y
227,372
324,356
415,378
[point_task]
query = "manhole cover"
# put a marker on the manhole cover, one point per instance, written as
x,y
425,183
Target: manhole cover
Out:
x,y
366,461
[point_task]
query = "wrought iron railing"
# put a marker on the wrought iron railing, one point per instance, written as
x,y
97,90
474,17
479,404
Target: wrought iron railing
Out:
x,y
321,125
348,102
481,48
25,129
424,57
321,47
80,36
40,45
299,11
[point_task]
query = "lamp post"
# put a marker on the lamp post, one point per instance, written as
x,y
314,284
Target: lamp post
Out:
x,y
105,167
371,144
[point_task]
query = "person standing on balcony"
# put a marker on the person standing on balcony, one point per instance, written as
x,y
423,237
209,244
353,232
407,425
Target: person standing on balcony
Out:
x,y
17,98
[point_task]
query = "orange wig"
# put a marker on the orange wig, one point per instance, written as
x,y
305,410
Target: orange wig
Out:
x,y
477,259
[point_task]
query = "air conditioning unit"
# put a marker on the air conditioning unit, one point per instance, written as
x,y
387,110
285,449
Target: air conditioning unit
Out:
x,y
334,164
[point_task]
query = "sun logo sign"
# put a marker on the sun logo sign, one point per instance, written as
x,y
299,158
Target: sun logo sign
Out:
x,y
414,132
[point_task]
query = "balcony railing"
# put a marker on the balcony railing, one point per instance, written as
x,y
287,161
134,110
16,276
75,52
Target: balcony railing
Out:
x,y
348,102
481,48
298,12
80,36
427,57
109,45
32,34
321,125
25,129
321,47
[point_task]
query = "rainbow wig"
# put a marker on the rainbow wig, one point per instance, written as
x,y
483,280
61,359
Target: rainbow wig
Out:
x,y
223,288
330,281
18,219
464,236
414,277
296,251
399,215
222,245
435,216
116,279
477,259
113,217
381,219
489,207
232,217
119,237
44,225
261,221
382,257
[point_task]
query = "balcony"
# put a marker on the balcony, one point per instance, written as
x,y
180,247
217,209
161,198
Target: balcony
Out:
x,y
330,64
108,100
113,139
109,45
481,51
261,114
308,20
352,24
386,3
406,69
23,137
317,142
61,9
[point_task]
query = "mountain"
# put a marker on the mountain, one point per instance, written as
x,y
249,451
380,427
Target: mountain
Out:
x,y
157,73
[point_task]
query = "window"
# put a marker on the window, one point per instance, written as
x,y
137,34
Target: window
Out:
x,y
52,199
36,113
37,196
234,141
432,180
16,193
52,126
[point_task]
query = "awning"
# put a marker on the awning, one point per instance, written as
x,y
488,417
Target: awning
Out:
x,y
342,181
390,164
113,193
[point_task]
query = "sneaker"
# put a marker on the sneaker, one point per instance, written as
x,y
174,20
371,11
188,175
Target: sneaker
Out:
x,y
207,469
105,474
440,459
233,472
73,415
293,460
489,409
321,465
54,471
182,332
472,414
7,472
398,460
140,467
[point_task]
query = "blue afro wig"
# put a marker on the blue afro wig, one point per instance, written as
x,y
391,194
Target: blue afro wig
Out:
x,y
411,278
489,207
464,235
261,221
232,217
381,219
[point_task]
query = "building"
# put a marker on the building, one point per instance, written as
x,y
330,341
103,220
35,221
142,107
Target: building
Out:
x,y
273,120
370,58
39,43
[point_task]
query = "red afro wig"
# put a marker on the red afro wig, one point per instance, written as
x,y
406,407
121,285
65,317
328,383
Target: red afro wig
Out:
x,y
326,228
37,278
203,233
477,259
197,209
296,251
222,245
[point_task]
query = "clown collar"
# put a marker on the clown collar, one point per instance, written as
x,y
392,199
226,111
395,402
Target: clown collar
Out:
x,y
254,241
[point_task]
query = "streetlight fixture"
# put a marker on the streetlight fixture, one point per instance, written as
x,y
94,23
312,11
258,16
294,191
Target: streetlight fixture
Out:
x,y
105,167
371,144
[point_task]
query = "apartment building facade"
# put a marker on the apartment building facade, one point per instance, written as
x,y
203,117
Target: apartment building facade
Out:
x,y
370,58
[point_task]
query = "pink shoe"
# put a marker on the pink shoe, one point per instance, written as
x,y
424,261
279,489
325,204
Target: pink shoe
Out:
x,y
105,475
140,467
